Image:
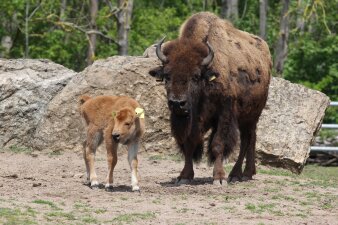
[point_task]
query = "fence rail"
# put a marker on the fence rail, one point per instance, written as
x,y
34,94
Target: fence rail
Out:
x,y
327,126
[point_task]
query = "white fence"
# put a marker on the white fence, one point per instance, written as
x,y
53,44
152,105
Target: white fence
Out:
x,y
327,126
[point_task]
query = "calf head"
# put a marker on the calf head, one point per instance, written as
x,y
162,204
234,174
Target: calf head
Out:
x,y
185,69
125,124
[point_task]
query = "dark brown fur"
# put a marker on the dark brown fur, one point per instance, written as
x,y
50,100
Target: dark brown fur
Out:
x,y
226,96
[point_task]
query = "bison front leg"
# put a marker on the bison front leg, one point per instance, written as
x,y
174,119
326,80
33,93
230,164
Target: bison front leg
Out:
x,y
188,148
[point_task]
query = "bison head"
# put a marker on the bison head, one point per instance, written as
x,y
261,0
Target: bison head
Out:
x,y
185,70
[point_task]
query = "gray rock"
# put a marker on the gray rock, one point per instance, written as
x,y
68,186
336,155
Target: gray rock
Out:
x,y
62,128
26,87
288,124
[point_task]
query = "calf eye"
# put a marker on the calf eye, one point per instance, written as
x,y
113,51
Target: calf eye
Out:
x,y
127,124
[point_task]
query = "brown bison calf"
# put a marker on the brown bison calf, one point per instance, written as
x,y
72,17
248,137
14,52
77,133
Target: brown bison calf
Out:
x,y
115,120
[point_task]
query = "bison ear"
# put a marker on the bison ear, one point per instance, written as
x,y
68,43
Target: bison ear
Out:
x,y
210,75
157,73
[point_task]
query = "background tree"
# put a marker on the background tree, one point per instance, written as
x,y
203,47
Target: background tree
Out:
x,y
282,43
263,7
59,30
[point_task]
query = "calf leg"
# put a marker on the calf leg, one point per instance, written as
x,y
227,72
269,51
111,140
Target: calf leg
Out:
x,y
111,147
133,163
94,138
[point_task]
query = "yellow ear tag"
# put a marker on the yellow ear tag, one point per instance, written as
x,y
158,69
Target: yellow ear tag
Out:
x,y
139,113
113,114
212,78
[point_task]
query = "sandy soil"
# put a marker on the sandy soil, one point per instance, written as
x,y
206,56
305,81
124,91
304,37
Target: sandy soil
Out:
x,y
47,188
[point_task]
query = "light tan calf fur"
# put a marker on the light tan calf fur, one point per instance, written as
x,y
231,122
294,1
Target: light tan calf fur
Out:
x,y
114,120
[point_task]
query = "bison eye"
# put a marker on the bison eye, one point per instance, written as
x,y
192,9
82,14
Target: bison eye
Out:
x,y
166,77
127,124
196,77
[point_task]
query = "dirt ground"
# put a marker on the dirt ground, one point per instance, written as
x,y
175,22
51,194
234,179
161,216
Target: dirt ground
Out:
x,y
48,188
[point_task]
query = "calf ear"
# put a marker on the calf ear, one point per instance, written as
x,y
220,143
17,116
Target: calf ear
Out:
x,y
157,73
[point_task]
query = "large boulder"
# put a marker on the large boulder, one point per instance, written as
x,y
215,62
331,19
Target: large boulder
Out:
x,y
62,128
288,124
285,131
26,87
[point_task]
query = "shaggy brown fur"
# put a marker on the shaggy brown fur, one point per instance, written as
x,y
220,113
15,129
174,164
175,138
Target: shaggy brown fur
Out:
x,y
225,95
115,120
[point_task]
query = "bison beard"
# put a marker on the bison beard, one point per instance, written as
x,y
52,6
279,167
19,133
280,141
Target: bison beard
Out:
x,y
220,75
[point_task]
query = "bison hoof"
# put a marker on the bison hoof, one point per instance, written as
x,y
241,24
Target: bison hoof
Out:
x,y
180,181
247,178
234,179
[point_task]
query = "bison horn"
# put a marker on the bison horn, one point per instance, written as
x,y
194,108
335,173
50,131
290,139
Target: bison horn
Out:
x,y
159,53
207,60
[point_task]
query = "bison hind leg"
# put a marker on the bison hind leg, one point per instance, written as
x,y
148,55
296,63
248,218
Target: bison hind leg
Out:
x,y
197,155
211,156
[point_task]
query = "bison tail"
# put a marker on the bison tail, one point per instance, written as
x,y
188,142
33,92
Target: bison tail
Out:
x,y
83,99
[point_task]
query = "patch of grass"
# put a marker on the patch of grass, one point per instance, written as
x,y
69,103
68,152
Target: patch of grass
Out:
x,y
68,216
276,172
321,176
55,153
260,208
89,219
20,149
183,210
17,216
172,157
100,211
133,217
45,202
157,201
82,207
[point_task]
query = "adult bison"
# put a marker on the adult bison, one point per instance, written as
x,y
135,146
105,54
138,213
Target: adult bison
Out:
x,y
216,77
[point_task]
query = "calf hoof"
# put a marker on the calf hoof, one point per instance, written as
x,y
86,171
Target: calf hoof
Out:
x,y
218,182
234,179
94,185
109,188
135,188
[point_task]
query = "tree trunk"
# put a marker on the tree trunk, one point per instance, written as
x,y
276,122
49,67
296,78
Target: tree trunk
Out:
x,y
123,24
224,9
26,30
230,9
263,7
92,35
300,18
282,48
63,10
